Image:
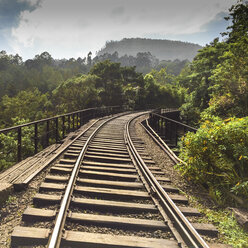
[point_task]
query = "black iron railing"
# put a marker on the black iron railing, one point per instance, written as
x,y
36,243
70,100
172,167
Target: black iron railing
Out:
x,y
169,129
52,130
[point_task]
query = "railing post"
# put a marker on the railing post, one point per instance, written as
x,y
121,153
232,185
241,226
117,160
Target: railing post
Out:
x,y
19,145
73,122
152,120
77,120
163,128
81,119
47,133
63,127
35,138
176,136
57,130
157,124
69,123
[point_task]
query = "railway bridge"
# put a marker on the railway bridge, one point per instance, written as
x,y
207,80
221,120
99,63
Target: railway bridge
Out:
x,y
100,177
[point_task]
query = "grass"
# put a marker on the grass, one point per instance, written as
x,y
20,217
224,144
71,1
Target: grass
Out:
x,y
230,232
11,199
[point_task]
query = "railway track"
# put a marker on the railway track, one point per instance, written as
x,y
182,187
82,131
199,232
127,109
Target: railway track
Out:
x,y
107,192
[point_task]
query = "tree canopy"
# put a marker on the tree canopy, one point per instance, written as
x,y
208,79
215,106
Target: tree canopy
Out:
x,y
217,78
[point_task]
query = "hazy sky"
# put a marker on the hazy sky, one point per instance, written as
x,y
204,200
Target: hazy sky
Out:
x,y
72,28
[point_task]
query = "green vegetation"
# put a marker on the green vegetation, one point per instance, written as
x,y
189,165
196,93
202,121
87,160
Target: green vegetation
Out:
x,y
230,232
211,91
217,157
42,72
144,62
217,78
217,101
8,153
106,83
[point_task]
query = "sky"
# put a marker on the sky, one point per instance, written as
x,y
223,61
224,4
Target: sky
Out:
x,y
72,28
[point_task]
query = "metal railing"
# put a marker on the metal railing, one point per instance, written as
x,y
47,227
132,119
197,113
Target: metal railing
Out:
x,y
54,129
163,111
168,129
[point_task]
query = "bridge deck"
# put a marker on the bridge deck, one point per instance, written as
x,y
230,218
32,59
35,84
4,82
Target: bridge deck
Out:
x,y
19,175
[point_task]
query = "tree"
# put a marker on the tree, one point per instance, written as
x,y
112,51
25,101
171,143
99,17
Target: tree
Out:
x,y
239,28
217,78
198,79
89,60
29,105
76,93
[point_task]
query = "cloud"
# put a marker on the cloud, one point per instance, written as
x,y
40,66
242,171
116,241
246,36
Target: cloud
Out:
x,y
73,28
117,11
10,11
208,31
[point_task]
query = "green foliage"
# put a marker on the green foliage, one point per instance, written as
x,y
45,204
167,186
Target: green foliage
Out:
x,y
110,84
107,83
8,144
197,78
161,91
216,81
118,85
230,93
238,16
230,232
217,156
42,72
29,104
144,62
76,93
162,77
172,67
217,78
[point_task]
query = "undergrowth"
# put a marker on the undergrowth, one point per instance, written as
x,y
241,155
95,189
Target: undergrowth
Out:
x,y
216,156
230,232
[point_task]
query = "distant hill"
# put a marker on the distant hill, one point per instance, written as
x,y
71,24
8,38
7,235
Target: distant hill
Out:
x,y
161,49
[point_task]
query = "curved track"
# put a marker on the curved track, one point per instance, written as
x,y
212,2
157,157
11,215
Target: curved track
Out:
x,y
106,192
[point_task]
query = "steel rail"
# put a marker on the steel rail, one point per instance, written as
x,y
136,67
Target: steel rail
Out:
x,y
56,235
187,232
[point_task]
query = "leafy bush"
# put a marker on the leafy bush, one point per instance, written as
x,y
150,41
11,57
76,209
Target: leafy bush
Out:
x,y
8,144
217,157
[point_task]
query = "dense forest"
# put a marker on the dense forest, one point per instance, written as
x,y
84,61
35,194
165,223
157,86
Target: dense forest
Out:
x,y
144,62
162,49
211,92
44,86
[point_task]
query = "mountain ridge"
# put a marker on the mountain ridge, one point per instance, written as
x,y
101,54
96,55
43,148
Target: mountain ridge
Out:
x,y
162,49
